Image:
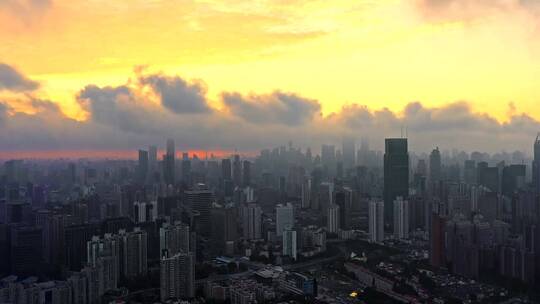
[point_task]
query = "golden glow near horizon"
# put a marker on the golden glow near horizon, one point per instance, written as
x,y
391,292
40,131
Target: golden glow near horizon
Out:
x,y
375,53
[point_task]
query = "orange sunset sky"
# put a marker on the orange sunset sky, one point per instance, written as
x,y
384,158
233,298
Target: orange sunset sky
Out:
x,y
379,54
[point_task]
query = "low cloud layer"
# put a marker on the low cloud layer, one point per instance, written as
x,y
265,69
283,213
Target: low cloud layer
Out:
x,y
13,80
278,107
177,94
157,107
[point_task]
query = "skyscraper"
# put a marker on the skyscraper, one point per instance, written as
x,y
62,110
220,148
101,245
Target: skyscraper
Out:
x,y
332,219
246,173
435,166
152,159
26,249
396,174
376,221
343,198
237,171
252,221
328,158
175,238
142,167
169,163
284,218
436,240
226,169
349,153
536,165
401,218
177,276
104,256
306,192
134,255
200,200
290,243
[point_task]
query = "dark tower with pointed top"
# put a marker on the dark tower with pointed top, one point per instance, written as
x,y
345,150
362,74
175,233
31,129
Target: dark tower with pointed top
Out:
x,y
396,174
536,165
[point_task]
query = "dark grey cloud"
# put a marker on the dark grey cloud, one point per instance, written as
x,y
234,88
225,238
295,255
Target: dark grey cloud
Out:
x,y
13,80
177,94
123,117
275,108
117,107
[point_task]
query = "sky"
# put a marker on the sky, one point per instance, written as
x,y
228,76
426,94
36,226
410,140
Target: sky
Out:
x,y
98,76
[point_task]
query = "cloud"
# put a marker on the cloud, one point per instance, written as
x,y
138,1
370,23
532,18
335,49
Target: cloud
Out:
x,y
25,10
469,10
177,94
128,117
275,108
13,80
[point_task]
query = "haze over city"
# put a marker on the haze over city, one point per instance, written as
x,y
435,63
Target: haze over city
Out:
x,y
269,151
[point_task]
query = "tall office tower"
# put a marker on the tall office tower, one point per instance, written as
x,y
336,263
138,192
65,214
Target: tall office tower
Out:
x,y
142,166
252,221
436,240
461,250
332,220
290,243
152,159
226,169
362,153
469,172
169,163
284,218
237,171
246,173
17,212
26,249
328,158
513,179
224,225
200,200
170,147
349,153
435,169
343,198
104,254
76,241
536,165
325,195
376,221
134,253
488,176
306,192
53,237
396,174
13,170
401,218
186,169
175,238
177,276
